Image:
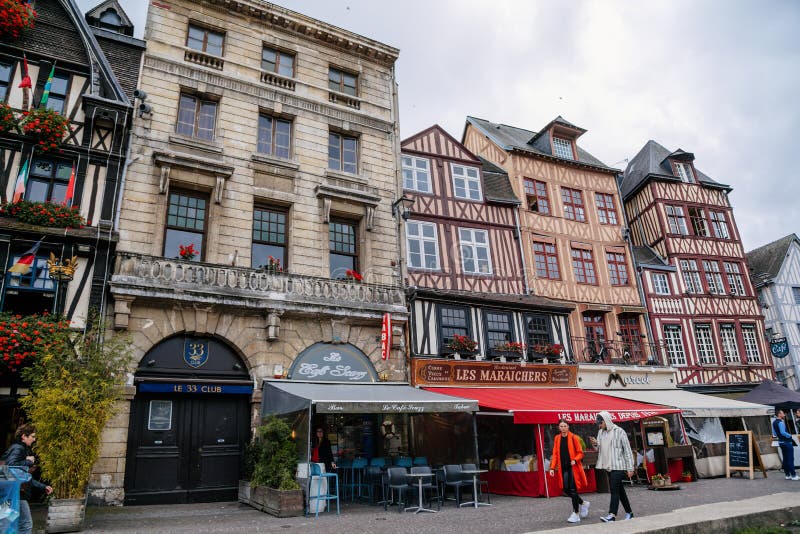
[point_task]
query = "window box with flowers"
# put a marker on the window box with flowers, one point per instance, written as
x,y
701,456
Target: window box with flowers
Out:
x,y
45,126
187,252
510,350
460,346
353,276
43,214
8,122
15,17
546,351
24,338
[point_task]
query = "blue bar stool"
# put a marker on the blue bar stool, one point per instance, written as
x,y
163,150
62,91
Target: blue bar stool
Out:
x,y
378,462
420,460
403,461
344,468
357,477
317,475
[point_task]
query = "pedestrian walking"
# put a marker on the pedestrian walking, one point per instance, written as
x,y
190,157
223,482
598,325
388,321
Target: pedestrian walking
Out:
x,y
566,460
19,456
615,456
786,443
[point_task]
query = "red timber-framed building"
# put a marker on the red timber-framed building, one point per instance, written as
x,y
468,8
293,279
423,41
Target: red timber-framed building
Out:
x,y
465,268
573,235
701,302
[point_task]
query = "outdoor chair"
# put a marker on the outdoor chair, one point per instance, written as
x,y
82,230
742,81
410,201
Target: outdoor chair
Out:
x,y
427,484
373,477
481,482
396,480
454,479
316,476
380,462
403,461
420,460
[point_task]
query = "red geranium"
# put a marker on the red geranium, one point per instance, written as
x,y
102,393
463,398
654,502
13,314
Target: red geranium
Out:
x,y
15,16
350,274
188,253
23,339
43,213
8,121
47,127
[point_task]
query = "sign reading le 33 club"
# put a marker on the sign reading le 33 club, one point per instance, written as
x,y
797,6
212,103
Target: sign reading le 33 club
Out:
x,y
195,352
333,362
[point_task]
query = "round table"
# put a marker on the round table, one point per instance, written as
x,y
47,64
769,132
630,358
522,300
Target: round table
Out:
x,y
419,477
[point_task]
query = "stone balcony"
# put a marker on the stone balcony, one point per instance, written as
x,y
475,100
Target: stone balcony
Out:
x,y
153,278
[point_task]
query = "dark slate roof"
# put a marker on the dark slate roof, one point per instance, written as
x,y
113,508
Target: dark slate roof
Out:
x,y
650,163
526,302
124,54
513,138
496,184
94,15
765,262
647,256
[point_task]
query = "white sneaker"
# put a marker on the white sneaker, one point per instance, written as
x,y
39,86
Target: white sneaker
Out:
x,y
795,477
585,508
574,518
788,477
628,516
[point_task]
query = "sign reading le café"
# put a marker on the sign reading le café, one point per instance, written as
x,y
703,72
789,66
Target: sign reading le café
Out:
x,y
468,373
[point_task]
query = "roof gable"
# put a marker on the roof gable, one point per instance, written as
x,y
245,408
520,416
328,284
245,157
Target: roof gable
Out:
x,y
95,17
765,262
436,141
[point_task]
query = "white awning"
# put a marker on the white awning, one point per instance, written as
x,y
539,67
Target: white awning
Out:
x,y
286,396
693,404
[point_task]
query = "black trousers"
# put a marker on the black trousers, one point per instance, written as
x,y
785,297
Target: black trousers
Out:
x,y
569,488
615,479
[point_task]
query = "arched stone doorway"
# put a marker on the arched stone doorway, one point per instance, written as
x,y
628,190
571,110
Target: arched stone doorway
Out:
x,y
189,423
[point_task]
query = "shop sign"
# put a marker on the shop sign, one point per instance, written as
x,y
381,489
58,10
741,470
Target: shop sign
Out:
x,y
216,389
195,352
616,416
333,362
779,347
429,372
386,336
624,380
395,407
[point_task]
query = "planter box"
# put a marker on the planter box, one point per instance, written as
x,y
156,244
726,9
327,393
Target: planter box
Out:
x,y
280,503
65,515
244,491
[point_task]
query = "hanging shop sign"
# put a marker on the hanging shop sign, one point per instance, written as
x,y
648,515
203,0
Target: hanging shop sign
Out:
x,y
779,347
333,362
386,336
430,372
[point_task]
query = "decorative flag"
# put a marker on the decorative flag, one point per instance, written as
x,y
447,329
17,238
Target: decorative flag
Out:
x,y
23,264
70,188
46,92
22,180
26,79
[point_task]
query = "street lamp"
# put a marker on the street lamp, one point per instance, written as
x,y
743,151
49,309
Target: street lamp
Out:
x,y
402,207
61,272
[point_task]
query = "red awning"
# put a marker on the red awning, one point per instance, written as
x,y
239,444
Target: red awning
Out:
x,y
548,405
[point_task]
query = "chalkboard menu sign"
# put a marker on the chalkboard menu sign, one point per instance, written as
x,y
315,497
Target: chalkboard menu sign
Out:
x,y
742,453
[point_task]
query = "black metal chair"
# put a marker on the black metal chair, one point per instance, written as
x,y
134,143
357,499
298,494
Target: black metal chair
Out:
x,y
454,479
481,482
396,480
427,485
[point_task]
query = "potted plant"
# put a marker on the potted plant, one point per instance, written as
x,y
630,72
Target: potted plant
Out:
x,y
273,459
657,480
15,16
45,126
353,276
188,252
459,344
75,385
273,265
687,476
509,349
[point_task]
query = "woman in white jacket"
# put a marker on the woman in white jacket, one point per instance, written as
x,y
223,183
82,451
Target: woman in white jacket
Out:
x,y
615,456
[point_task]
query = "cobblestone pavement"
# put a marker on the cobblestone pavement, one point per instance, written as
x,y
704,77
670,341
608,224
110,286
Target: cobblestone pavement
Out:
x,y
510,515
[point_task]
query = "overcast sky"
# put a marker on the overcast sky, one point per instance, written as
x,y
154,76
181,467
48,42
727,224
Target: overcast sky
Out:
x,y
720,79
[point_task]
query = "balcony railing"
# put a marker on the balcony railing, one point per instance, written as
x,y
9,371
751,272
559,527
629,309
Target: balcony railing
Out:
x,y
618,352
205,60
140,275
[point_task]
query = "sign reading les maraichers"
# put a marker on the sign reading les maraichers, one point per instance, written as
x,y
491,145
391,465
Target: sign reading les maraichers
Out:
x,y
463,373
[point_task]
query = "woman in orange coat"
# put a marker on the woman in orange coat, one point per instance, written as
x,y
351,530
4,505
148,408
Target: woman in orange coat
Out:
x,y
567,456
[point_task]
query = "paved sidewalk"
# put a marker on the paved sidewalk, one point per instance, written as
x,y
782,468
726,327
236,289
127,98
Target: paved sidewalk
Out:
x,y
509,515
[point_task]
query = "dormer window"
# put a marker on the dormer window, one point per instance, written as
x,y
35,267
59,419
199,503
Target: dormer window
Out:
x,y
563,148
684,172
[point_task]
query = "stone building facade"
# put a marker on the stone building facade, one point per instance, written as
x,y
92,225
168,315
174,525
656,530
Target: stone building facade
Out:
x,y
257,236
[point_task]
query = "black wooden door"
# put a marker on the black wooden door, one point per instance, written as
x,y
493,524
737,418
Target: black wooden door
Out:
x,y
185,448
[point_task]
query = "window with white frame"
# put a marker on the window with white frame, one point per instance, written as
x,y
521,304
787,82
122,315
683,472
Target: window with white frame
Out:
x,y
691,276
719,224
563,148
684,172
705,343
660,284
423,245
713,277
674,344
750,344
698,220
796,295
676,220
730,349
735,280
466,182
573,204
416,174
475,251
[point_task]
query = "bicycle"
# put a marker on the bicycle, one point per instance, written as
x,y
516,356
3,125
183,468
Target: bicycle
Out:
x,y
606,354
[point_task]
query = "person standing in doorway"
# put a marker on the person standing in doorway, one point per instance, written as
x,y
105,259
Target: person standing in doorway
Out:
x,y
19,457
566,460
615,456
321,450
786,443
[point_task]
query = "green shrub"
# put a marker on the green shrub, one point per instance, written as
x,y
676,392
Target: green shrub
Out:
x,y
274,456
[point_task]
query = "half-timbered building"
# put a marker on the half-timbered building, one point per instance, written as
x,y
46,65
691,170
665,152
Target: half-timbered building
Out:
x,y
70,75
463,258
775,273
573,235
703,308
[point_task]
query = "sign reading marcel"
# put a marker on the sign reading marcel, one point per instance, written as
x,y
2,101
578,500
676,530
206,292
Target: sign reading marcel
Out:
x,y
461,373
333,362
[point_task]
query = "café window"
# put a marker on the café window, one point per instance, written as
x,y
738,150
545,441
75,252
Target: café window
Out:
x,y
58,93
453,320
48,181
277,61
342,82
536,196
274,136
498,328
573,204
186,224
342,153
196,117
6,70
269,239
205,40
342,248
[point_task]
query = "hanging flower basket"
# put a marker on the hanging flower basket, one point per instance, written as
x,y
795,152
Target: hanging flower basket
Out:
x,y
43,214
15,16
45,126
8,122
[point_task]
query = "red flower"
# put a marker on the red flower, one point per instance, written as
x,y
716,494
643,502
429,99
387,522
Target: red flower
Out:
x,y
353,275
